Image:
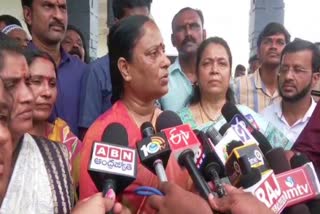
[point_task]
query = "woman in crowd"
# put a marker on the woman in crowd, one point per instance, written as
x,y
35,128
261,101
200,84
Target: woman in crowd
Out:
x,y
43,83
213,70
139,74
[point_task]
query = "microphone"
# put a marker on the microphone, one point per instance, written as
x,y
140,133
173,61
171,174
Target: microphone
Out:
x,y
154,151
299,160
113,165
254,159
213,135
268,191
234,116
211,166
280,165
182,141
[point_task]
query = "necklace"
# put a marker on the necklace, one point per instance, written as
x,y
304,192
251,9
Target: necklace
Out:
x,y
201,109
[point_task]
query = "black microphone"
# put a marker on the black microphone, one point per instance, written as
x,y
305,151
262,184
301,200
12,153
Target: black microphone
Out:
x,y
299,159
113,165
224,128
154,151
213,135
211,166
231,113
169,119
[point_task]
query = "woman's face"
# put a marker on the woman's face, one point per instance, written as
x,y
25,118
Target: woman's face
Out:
x,y
148,69
43,84
214,71
6,146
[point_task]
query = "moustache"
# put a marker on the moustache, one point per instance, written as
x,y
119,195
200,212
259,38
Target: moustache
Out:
x,y
57,24
188,39
75,51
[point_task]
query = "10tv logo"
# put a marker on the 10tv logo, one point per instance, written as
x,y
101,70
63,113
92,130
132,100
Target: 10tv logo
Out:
x,y
155,145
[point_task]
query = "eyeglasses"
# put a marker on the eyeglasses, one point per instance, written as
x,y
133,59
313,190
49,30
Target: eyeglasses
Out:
x,y
296,70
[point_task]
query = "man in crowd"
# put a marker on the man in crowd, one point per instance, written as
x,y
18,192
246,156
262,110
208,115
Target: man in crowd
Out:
x,y
6,20
298,73
74,43
187,34
96,84
239,71
47,22
260,89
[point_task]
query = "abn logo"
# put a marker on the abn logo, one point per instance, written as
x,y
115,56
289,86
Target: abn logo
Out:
x,y
290,182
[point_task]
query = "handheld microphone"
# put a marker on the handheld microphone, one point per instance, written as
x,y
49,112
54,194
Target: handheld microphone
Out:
x,y
281,167
154,151
299,160
211,166
234,116
182,141
268,191
213,135
113,165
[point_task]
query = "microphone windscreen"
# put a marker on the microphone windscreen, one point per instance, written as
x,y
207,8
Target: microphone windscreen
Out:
x,y
277,160
233,144
214,135
167,119
250,179
224,128
115,133
298,160
229,110
264,144
147,129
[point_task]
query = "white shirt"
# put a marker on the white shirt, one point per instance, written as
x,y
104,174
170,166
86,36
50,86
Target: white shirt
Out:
x,y
273,113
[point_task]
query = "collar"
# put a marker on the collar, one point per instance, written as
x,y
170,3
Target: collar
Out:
x,y
64,55
306,117
258,82
175,67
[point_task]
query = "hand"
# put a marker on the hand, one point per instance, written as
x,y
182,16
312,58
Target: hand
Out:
x,y
98,204
178,200
236,201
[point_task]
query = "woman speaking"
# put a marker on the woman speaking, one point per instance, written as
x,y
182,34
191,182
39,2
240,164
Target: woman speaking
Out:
x,y
139,75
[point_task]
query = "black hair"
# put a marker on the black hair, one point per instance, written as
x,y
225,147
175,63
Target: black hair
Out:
x,y
212,40
300,45
272,29
122,39
77,30
118,6
10,20
8,46
199,12
27,3
253,58
32,55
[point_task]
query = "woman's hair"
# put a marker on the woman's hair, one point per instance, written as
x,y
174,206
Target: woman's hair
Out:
x,y
122,39
212,40
32,55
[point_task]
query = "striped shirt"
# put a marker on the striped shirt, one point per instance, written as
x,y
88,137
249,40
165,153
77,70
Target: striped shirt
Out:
x,y
252,92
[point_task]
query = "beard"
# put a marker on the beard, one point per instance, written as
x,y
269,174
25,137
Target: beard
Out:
x,y
298,96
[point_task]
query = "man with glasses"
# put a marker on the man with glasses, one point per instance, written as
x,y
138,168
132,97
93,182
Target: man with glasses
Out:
x,y
259,89
187,35
298,73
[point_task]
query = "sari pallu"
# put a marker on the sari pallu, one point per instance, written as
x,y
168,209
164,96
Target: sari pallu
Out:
x,y
41,181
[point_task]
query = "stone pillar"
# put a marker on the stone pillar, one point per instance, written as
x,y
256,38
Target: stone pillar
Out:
x,y
263,12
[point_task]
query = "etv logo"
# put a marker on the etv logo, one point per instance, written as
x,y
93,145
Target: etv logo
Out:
x,y
290,182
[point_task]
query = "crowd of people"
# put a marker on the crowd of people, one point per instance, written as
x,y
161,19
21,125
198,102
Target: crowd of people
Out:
x,y
54,104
